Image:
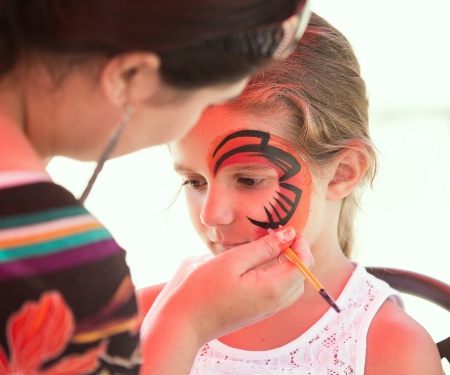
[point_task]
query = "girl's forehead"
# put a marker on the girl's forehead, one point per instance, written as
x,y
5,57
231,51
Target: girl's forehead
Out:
x,y
224,118
227,129
248,140
221,121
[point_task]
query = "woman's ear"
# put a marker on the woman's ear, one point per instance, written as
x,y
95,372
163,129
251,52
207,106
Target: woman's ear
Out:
x,y
131,78
349,168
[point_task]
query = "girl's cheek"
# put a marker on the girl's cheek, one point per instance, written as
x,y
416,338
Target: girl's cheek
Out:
x,y
259,213
300,217
280,207
260,233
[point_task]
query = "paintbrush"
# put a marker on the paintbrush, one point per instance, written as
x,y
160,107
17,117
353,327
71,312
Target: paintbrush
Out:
x,y
295,260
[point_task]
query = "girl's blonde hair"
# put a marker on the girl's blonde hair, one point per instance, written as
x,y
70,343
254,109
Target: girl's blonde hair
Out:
x,y
317,101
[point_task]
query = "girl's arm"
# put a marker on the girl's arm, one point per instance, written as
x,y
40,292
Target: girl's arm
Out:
x,y
398,345
146,297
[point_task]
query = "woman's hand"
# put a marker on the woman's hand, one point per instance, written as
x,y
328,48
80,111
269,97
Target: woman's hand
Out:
x,y
219,296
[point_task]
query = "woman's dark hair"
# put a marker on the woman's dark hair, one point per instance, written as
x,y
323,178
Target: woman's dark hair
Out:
x,y
200,42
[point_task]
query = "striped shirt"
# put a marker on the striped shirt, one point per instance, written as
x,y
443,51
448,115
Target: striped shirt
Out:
x,y
67,301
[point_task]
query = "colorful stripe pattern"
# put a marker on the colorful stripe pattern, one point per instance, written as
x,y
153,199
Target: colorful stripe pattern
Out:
x,y
52,249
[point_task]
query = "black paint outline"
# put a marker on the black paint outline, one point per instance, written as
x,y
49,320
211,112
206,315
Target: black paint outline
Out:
x,y
278,157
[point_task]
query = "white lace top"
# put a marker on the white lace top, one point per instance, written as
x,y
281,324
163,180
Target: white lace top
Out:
x,y
335,345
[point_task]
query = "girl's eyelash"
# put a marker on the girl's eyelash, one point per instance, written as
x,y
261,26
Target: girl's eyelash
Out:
x,y
194,184
254,182
187,182
251,183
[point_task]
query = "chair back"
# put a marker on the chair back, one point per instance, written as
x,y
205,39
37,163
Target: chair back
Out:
x,y
422,286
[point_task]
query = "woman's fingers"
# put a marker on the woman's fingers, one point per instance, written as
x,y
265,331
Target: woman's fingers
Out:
x,y
262,251
301,248
237,288
233,290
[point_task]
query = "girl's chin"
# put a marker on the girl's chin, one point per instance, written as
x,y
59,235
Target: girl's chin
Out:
x,y
218,249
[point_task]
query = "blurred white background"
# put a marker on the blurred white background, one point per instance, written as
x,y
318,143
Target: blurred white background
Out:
x,y
403,49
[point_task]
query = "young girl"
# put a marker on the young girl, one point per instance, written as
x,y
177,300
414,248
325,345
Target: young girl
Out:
x,y
294,150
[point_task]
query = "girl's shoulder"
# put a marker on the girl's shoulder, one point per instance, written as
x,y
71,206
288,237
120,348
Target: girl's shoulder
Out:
x,y
398,344
147,295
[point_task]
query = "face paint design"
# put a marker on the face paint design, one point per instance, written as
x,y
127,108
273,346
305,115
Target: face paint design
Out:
x,y
254,146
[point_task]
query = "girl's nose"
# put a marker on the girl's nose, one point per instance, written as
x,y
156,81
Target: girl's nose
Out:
x,y
218,208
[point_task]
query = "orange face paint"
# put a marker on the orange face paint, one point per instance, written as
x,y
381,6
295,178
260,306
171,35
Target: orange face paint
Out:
x,y
290,202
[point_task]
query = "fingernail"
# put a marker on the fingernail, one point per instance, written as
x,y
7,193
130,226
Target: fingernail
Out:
x,y
286,234
282,258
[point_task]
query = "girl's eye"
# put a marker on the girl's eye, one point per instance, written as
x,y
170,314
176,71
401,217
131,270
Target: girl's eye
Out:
x,y
251,182
194,184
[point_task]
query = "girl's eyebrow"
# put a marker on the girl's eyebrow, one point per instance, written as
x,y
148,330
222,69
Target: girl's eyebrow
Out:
x,y
180,168
235,168
250,167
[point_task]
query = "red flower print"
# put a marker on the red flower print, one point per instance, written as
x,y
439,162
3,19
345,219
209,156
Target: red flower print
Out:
x,y
39,332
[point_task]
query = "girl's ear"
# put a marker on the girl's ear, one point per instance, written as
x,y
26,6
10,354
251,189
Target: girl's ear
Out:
x,y
349,168
131,78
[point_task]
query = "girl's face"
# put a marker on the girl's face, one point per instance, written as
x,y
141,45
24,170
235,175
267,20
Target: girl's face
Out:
x,y
240,179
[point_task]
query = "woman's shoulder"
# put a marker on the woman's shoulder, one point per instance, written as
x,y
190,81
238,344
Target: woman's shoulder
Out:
x,y
398,344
